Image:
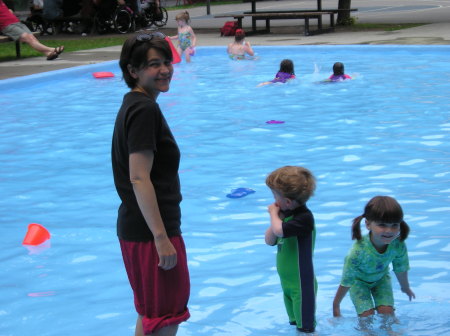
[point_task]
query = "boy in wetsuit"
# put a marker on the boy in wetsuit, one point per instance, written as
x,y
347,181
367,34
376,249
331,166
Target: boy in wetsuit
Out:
x,y
292,229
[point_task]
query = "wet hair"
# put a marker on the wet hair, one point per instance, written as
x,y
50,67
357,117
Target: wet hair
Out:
x,y
239,35
381,209
184,16
287,66
293,182
338,69
134,52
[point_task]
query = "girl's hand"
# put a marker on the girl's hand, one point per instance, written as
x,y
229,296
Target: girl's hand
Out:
x,y
409,292
336,311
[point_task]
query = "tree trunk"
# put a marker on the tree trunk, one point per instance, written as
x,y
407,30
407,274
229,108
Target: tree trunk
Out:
x,y
344,12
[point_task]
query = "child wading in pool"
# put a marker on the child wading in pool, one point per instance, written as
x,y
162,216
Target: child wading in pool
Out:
x,y
292,229
186,36
366,268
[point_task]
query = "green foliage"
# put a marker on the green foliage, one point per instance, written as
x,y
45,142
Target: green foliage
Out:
x,y
350,21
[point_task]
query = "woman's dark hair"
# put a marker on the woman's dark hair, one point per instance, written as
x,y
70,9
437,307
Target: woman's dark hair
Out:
x,y
287,66
381,209
338,68
135,50
239,35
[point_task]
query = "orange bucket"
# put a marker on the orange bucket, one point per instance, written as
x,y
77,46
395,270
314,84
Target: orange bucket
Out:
x,y
36,235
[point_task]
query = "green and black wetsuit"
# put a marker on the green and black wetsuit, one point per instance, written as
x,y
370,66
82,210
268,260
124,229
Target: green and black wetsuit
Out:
x,y
295,266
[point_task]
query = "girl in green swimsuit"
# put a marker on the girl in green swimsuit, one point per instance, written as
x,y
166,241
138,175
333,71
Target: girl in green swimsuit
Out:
x,y
186,36
366,268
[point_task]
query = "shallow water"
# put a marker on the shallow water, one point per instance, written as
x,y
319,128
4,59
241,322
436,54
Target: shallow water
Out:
x,y
385,132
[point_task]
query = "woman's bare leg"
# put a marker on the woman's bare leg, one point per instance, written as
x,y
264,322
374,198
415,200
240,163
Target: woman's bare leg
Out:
x,y
167,331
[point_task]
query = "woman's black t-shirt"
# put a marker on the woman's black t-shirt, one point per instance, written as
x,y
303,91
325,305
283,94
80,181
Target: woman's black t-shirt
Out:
x,y
140,126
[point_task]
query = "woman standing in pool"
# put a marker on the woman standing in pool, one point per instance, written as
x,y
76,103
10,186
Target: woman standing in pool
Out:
x,y
366,268
238,49
145,161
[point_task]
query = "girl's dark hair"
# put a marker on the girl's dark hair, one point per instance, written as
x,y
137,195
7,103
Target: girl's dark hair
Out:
x,y
338,68
134,52
287,66
381,209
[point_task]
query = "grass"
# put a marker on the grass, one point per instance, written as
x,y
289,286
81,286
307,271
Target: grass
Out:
x,y
8,50
379,26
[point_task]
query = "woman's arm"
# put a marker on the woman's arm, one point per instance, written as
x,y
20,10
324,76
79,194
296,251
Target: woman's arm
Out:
x,y
140,164
248,49
402,278
340,294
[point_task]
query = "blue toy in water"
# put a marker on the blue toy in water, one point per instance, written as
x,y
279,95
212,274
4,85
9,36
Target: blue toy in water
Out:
x,y
240,192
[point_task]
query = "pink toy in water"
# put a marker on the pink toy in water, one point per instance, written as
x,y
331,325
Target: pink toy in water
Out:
x,y
274,122
103,74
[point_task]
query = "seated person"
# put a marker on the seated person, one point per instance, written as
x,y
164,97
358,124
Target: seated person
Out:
x,y
283,75
338,73
239,48
16,30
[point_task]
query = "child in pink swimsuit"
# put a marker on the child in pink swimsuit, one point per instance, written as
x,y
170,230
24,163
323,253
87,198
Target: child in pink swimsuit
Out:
x,y
338,73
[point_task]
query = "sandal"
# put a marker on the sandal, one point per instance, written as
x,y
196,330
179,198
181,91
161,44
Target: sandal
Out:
x,y
55,53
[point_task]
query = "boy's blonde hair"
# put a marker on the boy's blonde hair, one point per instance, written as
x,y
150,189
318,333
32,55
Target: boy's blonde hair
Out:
x,y
183,16
294,182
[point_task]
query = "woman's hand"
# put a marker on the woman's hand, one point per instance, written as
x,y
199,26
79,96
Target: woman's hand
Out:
x,y
166,253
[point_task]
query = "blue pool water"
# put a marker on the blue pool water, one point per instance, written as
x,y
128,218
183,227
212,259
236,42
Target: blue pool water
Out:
x,y
386,132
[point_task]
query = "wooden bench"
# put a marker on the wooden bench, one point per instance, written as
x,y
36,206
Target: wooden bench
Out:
x,y
268,16
4,38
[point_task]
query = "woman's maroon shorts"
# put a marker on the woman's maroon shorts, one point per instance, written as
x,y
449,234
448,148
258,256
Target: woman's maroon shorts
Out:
x,y
160,296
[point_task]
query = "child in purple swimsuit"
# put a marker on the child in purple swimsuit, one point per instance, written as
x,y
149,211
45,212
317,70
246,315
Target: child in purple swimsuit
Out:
x,y
285,73
338,73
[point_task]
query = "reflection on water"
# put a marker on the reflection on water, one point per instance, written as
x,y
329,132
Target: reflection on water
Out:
x,y
382,133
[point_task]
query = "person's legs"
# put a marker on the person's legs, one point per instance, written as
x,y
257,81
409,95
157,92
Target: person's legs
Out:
x,y
35,44
187,55
167,331
20,32
160,297
361,296
139,330
383,296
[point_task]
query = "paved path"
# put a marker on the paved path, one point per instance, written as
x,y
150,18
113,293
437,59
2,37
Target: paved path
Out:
x,y
436,15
